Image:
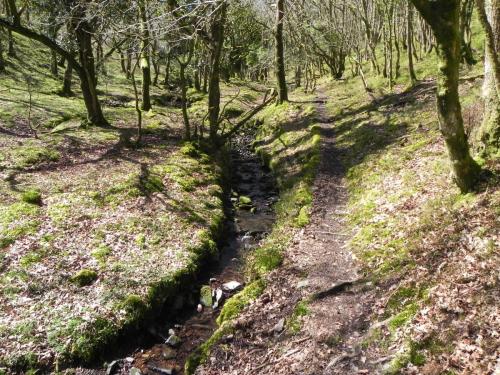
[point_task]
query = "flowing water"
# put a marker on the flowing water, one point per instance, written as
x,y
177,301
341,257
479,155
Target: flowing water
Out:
x,y
244,229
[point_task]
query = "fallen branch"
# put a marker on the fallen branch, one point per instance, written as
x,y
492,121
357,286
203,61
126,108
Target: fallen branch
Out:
x,y
338,288
248,116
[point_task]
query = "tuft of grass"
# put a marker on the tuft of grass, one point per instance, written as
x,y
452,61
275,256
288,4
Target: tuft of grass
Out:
x,y
294,323
32,196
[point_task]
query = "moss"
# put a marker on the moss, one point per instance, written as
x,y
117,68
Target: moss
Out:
x,y
190,149
303,217
32,196
31,155
135,307
403,317
294,323
17,220
101,253
201,354
265,259
98,334
84,278
245,202
30,259
237,303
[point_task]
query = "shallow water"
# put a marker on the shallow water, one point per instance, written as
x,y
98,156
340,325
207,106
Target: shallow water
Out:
x,y
243,231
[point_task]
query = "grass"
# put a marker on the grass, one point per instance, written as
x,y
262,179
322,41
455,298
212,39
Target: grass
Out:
x,y
410,221
82,206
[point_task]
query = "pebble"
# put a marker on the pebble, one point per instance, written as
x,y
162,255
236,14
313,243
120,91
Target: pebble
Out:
x,y
231,286
173,341
280,326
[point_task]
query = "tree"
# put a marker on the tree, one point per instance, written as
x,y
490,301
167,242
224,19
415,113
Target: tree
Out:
x,y
80,27
443,16
216,46
145,59
280,53
489,132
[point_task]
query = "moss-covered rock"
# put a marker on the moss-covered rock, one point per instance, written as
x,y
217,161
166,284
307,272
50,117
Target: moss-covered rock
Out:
x,y
84,278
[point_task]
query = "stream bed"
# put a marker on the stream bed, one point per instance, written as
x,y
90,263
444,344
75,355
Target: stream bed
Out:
x,y
169,344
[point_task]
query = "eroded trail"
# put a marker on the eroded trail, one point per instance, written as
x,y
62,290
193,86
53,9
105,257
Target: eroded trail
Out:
x,y
271,338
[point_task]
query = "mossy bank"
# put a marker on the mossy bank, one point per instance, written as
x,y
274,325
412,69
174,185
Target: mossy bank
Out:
x,y
79,289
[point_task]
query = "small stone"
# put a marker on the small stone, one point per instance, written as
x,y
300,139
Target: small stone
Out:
x,y
113,367
135,371
219,295
171,332
174,341
280,326
162,370
232,286
302,284
169,353
206,296
199,308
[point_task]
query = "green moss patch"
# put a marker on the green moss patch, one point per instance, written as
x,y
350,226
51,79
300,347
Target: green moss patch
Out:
x,y
84,278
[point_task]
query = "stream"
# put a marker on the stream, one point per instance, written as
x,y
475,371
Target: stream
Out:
x,y
170,343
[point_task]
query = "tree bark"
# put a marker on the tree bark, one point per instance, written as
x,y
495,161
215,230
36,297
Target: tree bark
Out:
x,y
409,35
489,132
444,18
68,78
280,53
145,57
217,41
84,31
85,68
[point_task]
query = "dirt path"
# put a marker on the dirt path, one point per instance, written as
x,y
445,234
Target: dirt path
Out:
x,y
329,339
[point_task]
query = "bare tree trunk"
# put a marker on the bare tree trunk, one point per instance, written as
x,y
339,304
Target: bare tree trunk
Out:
x,y
145,57
217,41
166,81
444,18
409,35
280,53
182,72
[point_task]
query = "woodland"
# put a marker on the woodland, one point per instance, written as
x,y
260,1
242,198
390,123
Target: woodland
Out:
x,y
249,187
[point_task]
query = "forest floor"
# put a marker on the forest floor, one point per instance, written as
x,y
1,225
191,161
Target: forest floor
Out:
x,y
92,227
395,272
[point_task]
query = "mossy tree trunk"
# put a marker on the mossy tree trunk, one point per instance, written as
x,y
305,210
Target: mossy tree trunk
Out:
x,y
280,53
85,67
88,80
67,81
183,64
409,42
489,132
2,58
444,18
